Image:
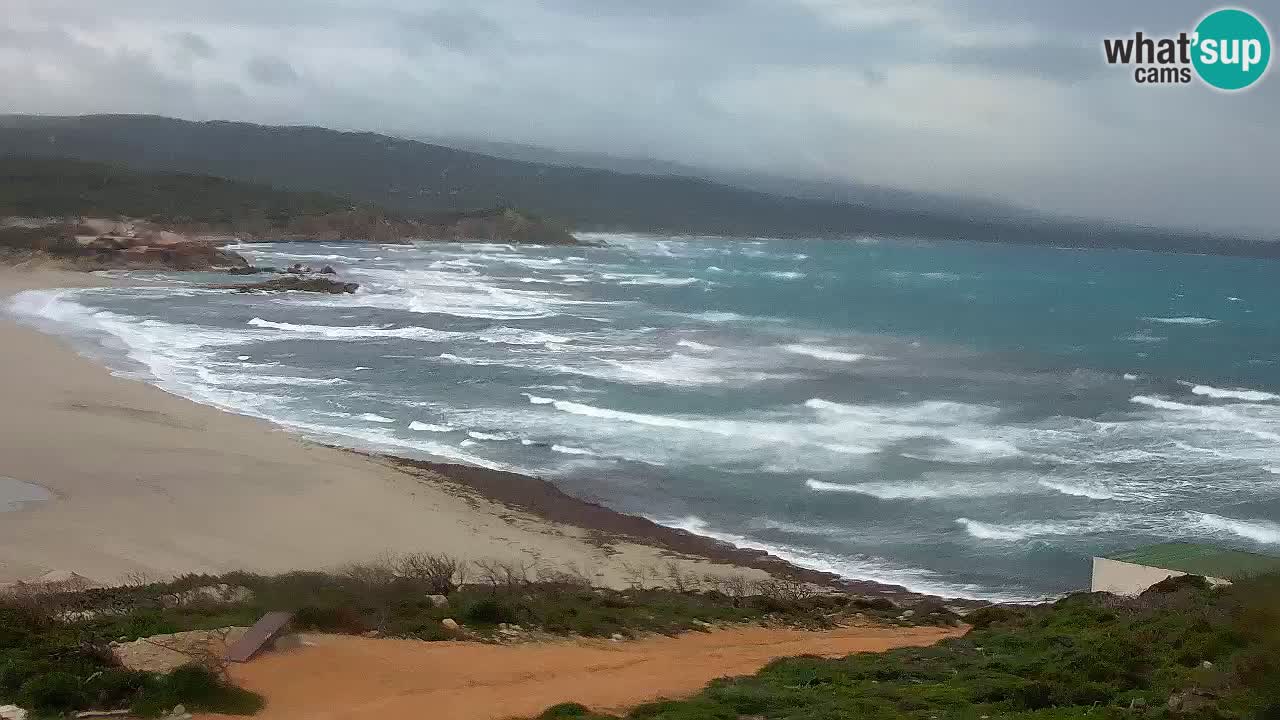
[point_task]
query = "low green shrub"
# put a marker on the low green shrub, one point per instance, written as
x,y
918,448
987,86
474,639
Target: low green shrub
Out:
x,y
1182,650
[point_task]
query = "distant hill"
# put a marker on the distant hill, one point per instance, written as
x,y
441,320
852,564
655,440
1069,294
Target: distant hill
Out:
x,y
63,187
847,192
417,177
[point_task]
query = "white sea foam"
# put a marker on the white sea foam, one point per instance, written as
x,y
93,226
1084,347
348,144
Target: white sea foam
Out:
x,y
785,274
696,346
374,417
430,427
247,380
567,450
1234,394
649,279
1161,403
1260,531
1079,489
487,436
858,567
496,335
822,353
985,531
918,490
968,450
1183,320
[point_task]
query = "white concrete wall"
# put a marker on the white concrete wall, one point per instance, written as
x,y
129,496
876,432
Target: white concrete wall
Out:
x,y
1122,578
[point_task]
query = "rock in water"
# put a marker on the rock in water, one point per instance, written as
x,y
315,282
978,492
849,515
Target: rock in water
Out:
x,y
295,282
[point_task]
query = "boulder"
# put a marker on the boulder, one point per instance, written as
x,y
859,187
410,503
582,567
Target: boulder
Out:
x,y
438,600
162,653
328,270
450,624
12,712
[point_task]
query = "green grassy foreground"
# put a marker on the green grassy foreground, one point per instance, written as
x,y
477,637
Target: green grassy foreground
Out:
x,y
1181,650
52,667
55,645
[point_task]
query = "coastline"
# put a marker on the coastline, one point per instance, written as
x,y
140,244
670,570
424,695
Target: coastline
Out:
x,y
143,482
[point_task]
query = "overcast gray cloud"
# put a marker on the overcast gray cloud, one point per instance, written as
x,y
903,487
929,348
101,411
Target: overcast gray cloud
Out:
x,y
1001,98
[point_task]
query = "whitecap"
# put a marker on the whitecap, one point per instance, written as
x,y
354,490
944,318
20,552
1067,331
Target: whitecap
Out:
x,y
1183,320
985,531
374,417
567,450
1260,531
822,353
1234,394
487,436
429,427
1079,489
918,490
694,345
853,568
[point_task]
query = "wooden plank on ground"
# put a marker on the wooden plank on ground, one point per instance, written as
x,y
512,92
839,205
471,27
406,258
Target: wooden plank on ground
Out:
x,y
262,632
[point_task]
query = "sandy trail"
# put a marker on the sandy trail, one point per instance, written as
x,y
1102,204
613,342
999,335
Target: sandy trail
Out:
x,y
353,678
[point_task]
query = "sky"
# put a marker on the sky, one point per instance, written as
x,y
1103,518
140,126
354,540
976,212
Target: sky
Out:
x,y
1003,99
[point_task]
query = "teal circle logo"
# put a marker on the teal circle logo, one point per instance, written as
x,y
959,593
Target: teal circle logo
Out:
x,y
1232,49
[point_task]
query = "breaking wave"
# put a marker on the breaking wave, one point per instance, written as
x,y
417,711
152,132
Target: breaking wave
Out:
x,y
1184,320
822,353
1259,531
1234,394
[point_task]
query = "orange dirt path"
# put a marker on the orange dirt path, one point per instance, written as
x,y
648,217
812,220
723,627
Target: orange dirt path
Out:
x,y
355,678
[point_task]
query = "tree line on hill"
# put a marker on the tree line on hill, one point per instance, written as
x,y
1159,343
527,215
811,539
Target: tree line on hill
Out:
x,y
52,187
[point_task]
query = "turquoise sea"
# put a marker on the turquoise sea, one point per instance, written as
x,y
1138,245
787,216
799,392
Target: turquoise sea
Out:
x,y
959,418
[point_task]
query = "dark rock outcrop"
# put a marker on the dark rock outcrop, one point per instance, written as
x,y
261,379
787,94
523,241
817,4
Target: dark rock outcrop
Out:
x,y
298,283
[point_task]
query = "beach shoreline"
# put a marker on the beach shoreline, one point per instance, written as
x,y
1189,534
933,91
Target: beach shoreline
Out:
x,y
143,482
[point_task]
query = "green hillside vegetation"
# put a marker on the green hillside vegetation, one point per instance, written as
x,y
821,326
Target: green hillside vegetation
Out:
x,y
415,177
1181,650
61,187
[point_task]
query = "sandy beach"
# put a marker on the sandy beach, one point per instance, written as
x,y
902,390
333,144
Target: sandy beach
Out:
x,y
140,481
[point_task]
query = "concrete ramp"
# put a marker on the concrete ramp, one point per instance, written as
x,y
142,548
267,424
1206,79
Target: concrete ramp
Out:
x,y
262,632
